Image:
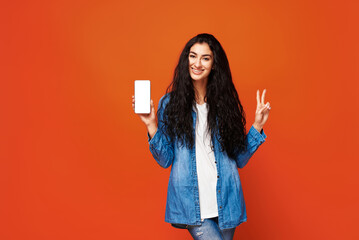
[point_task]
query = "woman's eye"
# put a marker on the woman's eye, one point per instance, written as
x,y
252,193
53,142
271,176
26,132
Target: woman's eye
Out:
x,y
206,59
192,56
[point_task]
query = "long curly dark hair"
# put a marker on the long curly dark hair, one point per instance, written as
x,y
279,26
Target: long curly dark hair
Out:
x,y
226,117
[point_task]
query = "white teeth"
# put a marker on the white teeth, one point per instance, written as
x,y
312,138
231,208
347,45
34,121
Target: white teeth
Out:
x,y
197,71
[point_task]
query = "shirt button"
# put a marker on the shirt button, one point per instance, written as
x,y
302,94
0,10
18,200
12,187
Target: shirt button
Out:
x,y
215,162
220,207
219,191
217,176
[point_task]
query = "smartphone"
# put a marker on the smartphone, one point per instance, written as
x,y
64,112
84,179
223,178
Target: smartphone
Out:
x,y
142,96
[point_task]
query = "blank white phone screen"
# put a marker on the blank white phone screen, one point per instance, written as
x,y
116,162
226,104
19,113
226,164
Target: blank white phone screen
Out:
x,y
142,96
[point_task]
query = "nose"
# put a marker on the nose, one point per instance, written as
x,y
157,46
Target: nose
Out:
x,y
198,63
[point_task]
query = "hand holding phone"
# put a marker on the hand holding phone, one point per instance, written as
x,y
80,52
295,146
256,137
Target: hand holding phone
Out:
x,y
143,105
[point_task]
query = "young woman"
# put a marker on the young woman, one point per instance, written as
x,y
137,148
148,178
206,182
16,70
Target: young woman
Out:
x,y
201,132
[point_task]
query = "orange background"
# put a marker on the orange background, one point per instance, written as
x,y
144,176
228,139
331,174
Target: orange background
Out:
x,y
74,158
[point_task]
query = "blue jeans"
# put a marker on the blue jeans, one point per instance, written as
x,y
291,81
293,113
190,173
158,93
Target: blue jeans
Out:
x,y
210,230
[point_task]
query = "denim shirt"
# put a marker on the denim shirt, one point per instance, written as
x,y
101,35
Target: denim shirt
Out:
x,y
182,208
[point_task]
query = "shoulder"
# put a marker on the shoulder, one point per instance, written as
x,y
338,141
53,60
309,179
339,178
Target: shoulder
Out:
x,y
162,104
164,100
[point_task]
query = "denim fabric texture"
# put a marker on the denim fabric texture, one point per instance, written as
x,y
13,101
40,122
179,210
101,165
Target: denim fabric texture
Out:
x,y
182,206
210,230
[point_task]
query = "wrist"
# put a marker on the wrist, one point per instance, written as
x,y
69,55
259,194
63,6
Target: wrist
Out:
x,y
257,127
152,129
151,124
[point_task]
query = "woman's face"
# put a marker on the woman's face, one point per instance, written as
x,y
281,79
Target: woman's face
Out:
x,y
200,61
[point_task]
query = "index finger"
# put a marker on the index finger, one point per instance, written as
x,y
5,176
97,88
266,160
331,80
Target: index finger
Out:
x,y
258,97
263,95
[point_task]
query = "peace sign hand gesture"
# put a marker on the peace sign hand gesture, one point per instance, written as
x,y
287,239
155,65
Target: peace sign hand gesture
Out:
x,y
262,112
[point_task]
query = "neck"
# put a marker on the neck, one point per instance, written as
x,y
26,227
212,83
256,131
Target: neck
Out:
x,y
200,88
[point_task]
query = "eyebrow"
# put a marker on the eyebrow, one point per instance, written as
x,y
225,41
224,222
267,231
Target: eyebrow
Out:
x,y
209,55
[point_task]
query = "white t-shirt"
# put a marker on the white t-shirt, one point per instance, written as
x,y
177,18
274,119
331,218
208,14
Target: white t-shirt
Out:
x,y
206,166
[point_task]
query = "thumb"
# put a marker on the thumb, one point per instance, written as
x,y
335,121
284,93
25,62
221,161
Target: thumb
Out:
x,y
152,106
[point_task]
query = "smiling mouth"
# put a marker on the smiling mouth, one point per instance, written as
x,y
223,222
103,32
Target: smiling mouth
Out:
x,y
197,72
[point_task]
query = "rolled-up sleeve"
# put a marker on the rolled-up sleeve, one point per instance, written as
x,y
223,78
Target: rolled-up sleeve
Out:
x,y
254,140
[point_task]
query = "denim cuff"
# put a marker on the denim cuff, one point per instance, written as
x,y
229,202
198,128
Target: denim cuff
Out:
x,y
152,140
258,136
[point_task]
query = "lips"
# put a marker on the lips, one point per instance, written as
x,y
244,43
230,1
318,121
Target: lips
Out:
x,y
196,71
